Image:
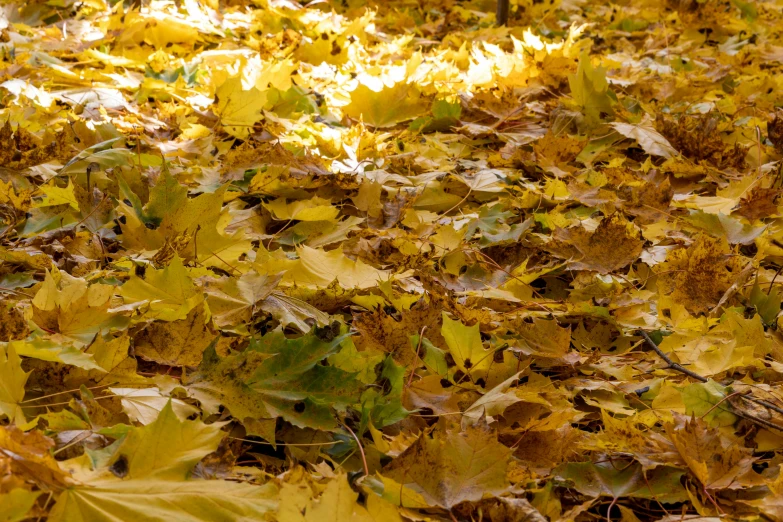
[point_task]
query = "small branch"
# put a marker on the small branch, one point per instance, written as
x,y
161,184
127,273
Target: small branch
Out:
x,y
738,412
764,403
672,365
752,418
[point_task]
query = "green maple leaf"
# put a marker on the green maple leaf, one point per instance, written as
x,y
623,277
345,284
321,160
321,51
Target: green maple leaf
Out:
x,y
608,479
277,377
494,230
383,406
708,401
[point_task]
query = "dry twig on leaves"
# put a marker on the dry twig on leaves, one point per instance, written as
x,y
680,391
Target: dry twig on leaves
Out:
x,y
740,412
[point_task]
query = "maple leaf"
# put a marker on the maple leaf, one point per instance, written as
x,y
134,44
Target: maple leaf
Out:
x,y
707,401
614,244
198,202
27,457
318,268
115,365
234,301
622,435
143,405
276,377
176,343
663,483
56,350
385,105
12,389
451,466
169,293
494,402
714,461
699,276
55,196
466,347
383,408
17,503
154,462
336,503
172,221
74,308
383,332
545,339
590,90
646,135
239,108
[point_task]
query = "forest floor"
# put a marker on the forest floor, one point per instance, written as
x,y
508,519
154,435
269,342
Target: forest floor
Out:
x,y
387,261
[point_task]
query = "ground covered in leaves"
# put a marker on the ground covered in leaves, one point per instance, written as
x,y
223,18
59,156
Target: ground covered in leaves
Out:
x,y
389,262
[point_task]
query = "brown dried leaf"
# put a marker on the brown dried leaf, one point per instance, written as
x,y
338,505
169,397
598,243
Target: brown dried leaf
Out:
x,y
449,466
613,245
699,276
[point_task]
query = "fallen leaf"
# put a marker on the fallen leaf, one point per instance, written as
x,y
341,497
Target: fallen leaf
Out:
x,y
450,466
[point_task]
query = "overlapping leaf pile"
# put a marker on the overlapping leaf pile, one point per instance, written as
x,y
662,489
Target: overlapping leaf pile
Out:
x,y
272,261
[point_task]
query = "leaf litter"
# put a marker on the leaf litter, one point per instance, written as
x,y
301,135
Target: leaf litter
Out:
x,y
388,261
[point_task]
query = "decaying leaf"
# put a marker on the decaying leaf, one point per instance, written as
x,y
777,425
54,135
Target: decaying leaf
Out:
x,y
697,277
614,244
449,466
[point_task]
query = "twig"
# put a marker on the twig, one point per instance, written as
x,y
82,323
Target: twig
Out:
x,y
727,397
745,415
752,418
470,191
673,365
65,403
764,403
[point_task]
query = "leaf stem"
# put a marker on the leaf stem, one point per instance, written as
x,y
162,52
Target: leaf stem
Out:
x,y
361,449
